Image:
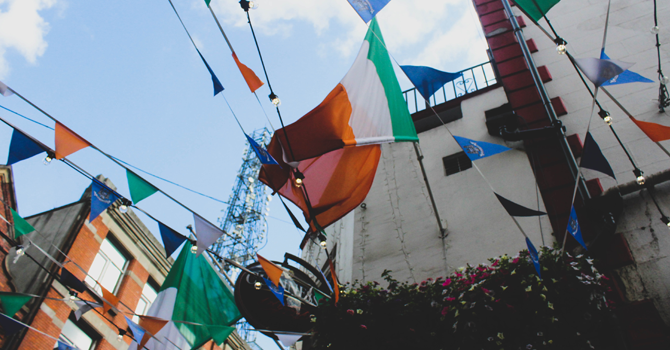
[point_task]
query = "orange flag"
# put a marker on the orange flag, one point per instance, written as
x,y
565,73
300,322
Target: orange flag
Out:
x,y
249,76
152,325
273,271
655,132
67,141
109,298
336,286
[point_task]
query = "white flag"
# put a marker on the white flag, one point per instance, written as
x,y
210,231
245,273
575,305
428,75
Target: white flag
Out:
x,y
5,90
207,233
84,307
288,339
600,71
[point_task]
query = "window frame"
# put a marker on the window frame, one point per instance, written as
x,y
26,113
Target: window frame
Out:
x,y
85,328
459,159
108,261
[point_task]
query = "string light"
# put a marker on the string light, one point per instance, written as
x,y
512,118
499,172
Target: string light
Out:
x,y
121,334
324,244
298,182
606,116
73,295
561,46
253,5
275,99
640,178
258,285
655,30
664,80
20,250
194,249
47,160
666,221
123,208
298,179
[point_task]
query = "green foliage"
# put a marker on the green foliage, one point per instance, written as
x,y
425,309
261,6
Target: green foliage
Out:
x,y
504,305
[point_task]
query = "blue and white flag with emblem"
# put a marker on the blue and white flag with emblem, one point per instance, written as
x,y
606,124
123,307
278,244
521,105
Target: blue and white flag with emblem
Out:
x,y
262,154
101,198
534,257
278,291
479,149
368,9
625,77
573,227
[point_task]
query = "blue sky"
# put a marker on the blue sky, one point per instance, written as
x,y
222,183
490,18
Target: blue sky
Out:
x,y
124,75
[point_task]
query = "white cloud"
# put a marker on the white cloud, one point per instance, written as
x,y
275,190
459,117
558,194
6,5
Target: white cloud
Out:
x,y
22,29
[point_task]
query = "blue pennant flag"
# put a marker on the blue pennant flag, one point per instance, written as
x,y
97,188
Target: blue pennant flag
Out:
x,y
262,154
101,198
63,346
574,229
68,279
514,209
10,325
428,80
625,77
171,239
368,9
22,147
277,291
479,149
138,332
217,84
534,256
593,157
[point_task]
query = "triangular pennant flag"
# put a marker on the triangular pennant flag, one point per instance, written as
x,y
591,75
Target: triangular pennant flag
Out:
x,y
67,141
625,77
574,229
139,188
655,132
288,339
63,346
514,209
593,158
318,296
599,71
68,279
5,90
101,198
534,257
22,147
207,2
220,333
10,325
479,149
368,9
293,218
111,300
152,325
21,226
428,80
273,271
535,9
135,329
249,76
336,285
171,239
217,84
278,291
13,302
206,232
262,154
84,307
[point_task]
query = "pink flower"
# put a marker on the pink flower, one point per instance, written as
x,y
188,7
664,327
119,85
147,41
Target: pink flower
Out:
x,y
495,263
450,299
459,274
445,310
447,282
486,290
350,312
516,260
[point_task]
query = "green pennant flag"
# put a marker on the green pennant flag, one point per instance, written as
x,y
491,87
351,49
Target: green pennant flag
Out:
x,y
21,226
13,302
220,333
207,2
139,189
318,296
535,9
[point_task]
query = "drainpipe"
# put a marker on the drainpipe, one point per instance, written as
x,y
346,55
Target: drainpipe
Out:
x,y
546,101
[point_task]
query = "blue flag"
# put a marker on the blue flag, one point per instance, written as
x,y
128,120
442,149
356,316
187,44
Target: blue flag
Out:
x,y
10,325
368,9
138,332
534,257
22,147
277,291
593,157
63,346
574,229
428,80
217,84
68,279
101,198
262,154
625,77
514,209
479,149
171,239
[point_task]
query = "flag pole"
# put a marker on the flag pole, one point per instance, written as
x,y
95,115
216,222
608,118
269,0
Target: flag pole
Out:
x,y
419,157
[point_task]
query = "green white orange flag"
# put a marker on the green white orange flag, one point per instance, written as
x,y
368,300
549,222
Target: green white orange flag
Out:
x,y
366,107
655,132
273,271
67,141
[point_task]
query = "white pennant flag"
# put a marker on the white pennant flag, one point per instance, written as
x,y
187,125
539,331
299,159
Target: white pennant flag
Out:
x,y
84,307
600,71
288,339
5,90
207,233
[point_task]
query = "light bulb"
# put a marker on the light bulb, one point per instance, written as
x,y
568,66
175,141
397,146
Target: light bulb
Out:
x,y
73,295
258,285
655,30
668,223
640,180
47,160
253,5
324,244
120,336
664,80
123,208
269,198
561,49
194,249
298,182
251,180
239,228
20,251
608,120
275,99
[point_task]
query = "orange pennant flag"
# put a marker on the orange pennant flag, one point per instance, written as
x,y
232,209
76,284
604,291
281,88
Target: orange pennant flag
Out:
x,y
249,76
655,132
67,141
152,325
110,299
273,271
336,286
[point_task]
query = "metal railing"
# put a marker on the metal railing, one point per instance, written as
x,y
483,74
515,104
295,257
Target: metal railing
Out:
x,y
472,79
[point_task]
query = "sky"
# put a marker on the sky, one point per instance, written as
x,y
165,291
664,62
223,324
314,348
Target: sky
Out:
x,y
124,75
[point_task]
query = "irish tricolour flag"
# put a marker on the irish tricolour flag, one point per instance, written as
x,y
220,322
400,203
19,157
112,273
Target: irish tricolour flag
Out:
x,y
366,107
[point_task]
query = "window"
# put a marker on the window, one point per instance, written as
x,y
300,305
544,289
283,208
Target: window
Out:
x,y
78,334
107,268
456,163
148,296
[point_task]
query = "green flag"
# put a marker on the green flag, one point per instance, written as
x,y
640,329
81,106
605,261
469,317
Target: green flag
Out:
x,y
207,2
318,296
21,226
139,189
535,9
220,333
13,302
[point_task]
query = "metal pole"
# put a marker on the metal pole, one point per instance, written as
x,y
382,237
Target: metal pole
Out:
x,y
419,156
